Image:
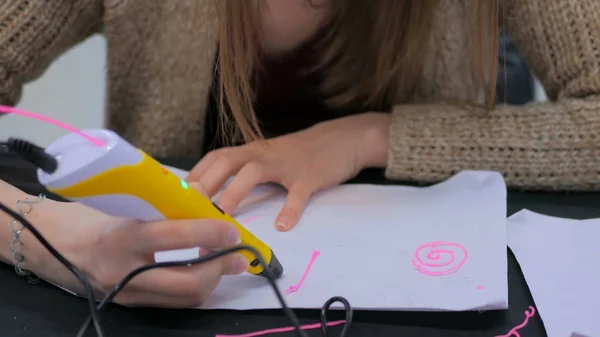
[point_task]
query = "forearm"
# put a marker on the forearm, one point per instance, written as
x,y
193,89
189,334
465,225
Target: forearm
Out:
x,y
550,146
375,144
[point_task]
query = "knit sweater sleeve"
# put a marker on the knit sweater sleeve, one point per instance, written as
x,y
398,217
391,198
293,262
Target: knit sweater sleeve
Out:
x,y
552,145
33,33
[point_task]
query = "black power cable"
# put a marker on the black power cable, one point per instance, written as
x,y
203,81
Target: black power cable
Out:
x,y
94,309
209,257
32,153
37,156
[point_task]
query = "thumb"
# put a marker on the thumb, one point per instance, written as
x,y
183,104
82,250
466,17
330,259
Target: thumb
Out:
x,y
295,203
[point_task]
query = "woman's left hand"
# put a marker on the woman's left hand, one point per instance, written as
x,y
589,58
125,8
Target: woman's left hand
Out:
x,y
304,162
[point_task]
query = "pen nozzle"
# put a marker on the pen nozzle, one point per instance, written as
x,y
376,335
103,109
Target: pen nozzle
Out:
x,y
275,267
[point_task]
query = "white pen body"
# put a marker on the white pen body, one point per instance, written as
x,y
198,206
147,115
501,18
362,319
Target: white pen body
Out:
x,y
80,160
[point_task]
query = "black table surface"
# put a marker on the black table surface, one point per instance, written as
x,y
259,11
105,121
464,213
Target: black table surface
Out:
x,y
42,310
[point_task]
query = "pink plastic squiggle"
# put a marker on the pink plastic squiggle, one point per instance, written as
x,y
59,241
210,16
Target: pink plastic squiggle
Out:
x,y
42,118
513,332
250,219
286,329
294,288
435,254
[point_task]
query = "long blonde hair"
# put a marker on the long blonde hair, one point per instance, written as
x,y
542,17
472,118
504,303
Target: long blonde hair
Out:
x,y
377,43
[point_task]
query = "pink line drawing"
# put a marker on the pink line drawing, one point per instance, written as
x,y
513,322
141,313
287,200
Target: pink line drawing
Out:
x,y
250,219
286,329
295,288
439,267
513,332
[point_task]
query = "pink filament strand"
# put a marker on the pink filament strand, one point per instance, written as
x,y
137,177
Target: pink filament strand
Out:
x,y
514,331
42,118
294,288
250,219
286,329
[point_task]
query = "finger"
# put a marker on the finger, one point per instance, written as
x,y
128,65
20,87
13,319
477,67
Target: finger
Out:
x,y
218,173
169,285
237,265
204,163
297,198
181,234
135,299
197,187
247,178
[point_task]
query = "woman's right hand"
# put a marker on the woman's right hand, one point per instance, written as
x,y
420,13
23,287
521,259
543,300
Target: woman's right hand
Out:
x,y
107,248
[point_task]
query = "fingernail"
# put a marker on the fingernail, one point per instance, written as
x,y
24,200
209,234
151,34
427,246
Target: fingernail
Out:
x,y
240,264
234,237
281,223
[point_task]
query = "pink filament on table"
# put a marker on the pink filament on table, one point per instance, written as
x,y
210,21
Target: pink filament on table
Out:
x,y
250,219
480,287
435,268
294,288
286,329
514,331
42,118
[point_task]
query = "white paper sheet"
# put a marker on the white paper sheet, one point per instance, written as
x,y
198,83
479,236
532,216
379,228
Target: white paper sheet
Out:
x,y
560,260
368,235
583,334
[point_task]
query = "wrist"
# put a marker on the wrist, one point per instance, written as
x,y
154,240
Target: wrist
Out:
x,y
42,215
45,217
375,140
71,229
50,219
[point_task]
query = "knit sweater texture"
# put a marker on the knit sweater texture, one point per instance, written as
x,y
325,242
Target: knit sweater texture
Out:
x,y
160,63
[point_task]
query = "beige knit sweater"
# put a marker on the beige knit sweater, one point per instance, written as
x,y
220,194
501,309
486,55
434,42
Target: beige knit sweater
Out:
x,y
160,67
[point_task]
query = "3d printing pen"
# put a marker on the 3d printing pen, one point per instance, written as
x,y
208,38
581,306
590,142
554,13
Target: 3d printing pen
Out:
x,y
121,180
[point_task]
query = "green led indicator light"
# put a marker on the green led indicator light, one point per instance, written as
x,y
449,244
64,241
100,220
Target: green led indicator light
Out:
x,y
184,184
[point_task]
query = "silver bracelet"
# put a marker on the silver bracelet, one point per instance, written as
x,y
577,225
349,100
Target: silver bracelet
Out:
x,y
16,228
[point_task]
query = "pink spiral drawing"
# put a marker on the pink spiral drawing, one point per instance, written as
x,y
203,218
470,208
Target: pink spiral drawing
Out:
x,y
439,258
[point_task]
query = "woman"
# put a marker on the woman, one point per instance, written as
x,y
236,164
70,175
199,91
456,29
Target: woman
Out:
x,y
336,86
